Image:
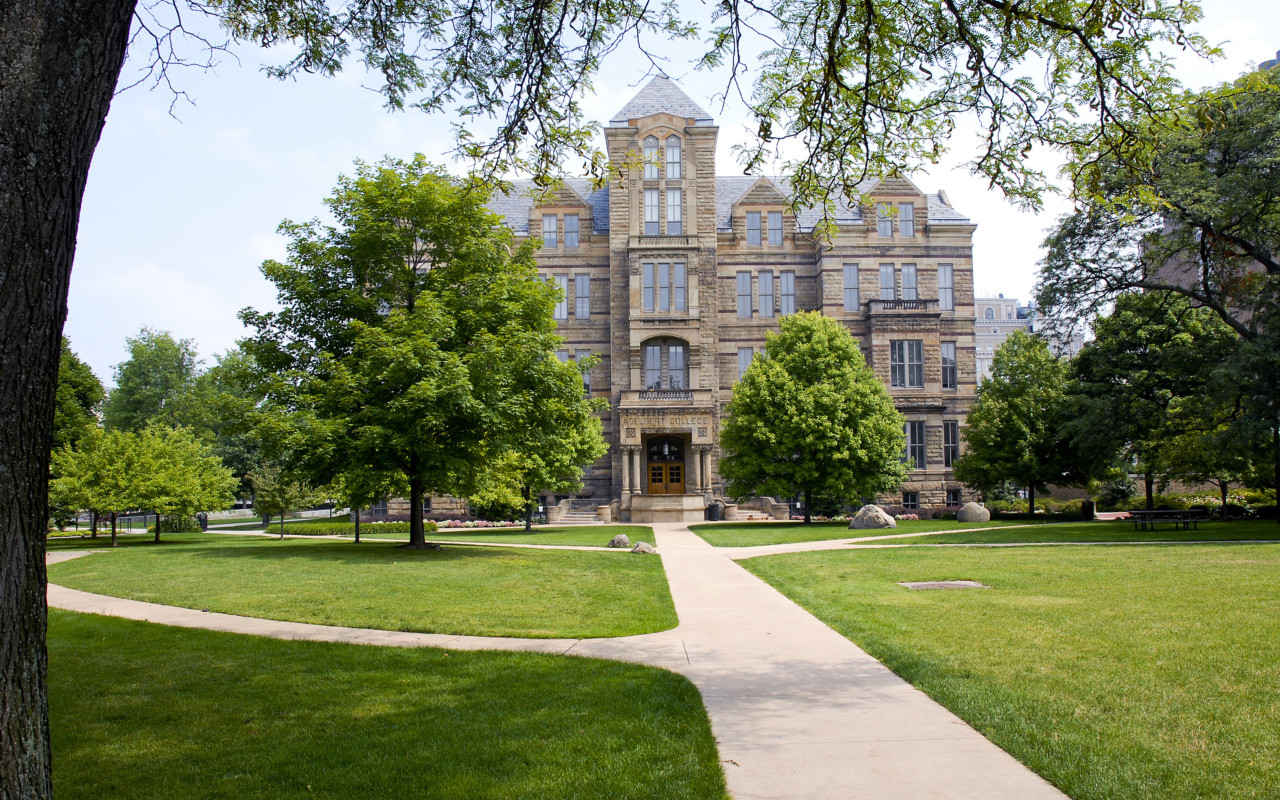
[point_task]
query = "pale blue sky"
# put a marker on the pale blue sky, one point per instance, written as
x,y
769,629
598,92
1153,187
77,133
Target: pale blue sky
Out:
x,y
179,214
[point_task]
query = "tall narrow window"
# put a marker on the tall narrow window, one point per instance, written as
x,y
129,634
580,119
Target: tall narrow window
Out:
x,y
653,366
946,287
562,305
915,363
753,227
989,314
673,158
570,230
915,444
675,366
549,230
884,219
678,275
766,293
949,375
582,296
664,287
649,287
651,168
907,219
562,356
744,360
675,212
887,289
788,285
744,295
950,442
580,356
906,363
851,299
775,227
651,212
909,285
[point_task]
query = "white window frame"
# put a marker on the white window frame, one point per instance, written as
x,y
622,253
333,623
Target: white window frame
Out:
x,y
745,355
787,289
852,302
910,282
915,432
680,286
775,228
753,228
570,230
950,442
946,287
652,226
673,164
907,219
677,366
906,363
675,212
652,366
664,286
652,170
549,223
744,295
884,220
950,369
582,296
888,282
765,279
578,356
562,305
648,289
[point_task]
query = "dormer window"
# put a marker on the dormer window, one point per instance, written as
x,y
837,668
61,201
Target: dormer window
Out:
x,y
651,167
753,227
907,219
775,228
673,158
884,219
549,230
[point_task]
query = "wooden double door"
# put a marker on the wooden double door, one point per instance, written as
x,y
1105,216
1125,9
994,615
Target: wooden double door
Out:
x,y
666,465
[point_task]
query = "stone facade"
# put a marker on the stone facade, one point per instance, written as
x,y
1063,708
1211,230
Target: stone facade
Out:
x,y
676,272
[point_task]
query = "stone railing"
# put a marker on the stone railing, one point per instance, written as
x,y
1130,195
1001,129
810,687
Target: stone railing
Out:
x,y
899,306
667,395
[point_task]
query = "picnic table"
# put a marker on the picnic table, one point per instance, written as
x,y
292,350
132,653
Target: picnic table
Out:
x,y
1182,519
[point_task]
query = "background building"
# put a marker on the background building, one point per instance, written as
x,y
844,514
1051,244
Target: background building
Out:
x,y
999,316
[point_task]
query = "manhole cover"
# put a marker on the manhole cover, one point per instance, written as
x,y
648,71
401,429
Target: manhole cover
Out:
x,y
943,585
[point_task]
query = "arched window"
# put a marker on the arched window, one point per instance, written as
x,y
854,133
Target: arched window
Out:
x,y
666,363
673,158
990,314
651,158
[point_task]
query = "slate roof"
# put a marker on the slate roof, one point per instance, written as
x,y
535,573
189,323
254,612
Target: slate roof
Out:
x,y
661,96
518,203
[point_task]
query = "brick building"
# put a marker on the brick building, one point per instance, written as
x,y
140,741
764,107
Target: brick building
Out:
x,y
673,275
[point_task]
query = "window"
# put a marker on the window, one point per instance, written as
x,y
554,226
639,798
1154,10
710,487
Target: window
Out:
x,y
653,366
887,290
906,363
549,230
950,447
949,376
675,212
954,499
753,227
681,291
581,296
648,287
673,158
851,300
907,219
775,227
909,286
788,278
675,366
884,219
745,354
664,287
651,158
989,314
744,295
766,293
651,212
911,500
915,444
946,287
562,355
570,230
579,356
562,305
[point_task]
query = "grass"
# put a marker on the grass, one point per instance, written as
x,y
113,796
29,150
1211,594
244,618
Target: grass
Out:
x,y
145,711
1108,531
750,534
585,535
1117,673
484,591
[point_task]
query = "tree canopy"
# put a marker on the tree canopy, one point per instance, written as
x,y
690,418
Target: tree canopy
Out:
x,y
153,383
809,417
79,399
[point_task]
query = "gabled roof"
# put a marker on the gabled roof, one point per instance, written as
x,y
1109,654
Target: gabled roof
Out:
x,y
731,190
516,205
661,96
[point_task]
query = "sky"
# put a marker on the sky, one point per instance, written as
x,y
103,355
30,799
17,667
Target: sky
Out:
x,y
181,206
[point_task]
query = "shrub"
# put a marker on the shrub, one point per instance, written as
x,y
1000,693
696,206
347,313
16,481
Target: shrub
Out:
x,y
348,528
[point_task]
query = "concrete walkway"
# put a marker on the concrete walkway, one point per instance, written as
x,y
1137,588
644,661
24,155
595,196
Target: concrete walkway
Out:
x,y
798,710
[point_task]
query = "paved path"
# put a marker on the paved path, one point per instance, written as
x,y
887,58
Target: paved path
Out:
x,y
798,710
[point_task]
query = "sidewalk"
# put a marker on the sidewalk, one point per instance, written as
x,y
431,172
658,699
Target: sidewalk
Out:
x,y
798,711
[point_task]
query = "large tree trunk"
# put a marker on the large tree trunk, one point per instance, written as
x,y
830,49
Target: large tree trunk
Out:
x,y
59,62
1275,444
144,525
1223,485
417,536
808,497
1031,499
356,514
528,509
1149,479
113,529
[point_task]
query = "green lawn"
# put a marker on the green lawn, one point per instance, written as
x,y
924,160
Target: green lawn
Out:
x,y
1108,531
145,711
1118,673
749,534
485,591
590,535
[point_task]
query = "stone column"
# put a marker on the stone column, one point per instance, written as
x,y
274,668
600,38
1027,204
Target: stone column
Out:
x,y
637,471
697,471
626,471
706,471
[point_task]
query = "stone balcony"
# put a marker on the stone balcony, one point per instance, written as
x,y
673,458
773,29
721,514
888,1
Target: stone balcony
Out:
x,y
666,398
877,308
662,242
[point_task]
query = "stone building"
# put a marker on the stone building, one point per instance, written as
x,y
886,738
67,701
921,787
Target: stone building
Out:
x,y
673,275
1000,316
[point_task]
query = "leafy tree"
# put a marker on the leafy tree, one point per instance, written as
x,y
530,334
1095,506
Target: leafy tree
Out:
x,y
407,336
101,476
153,383
358,488
528,68
275,492
1014,429
809,417
79,399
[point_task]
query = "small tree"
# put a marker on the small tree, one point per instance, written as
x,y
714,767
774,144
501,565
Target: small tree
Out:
x,y
277,493
185,475
809,417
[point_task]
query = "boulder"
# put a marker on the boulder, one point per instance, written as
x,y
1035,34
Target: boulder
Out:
x,y
972,512
644,547
620,540
872,516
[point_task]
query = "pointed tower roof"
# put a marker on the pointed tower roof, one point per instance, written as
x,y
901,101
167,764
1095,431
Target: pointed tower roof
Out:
x,y
661,96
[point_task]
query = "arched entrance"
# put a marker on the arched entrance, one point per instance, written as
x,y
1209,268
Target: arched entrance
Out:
x,y
666,465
